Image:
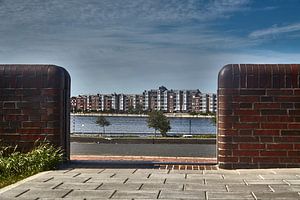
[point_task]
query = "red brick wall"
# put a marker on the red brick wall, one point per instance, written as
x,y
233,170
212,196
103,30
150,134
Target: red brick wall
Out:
x,y
259,116
34,104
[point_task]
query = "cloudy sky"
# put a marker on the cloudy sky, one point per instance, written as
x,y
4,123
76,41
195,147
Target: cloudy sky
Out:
x,y
127,46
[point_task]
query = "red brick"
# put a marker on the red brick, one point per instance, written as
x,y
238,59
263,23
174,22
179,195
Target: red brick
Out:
x,y
225,152
286,139
228,159
279,118
266,160
253,92
266,132
294,112
227,119
252,146
246,125
290,132
246,112
227,132
267,105
273,126
252,118
9,105
227,146
273,112
245,132
279,146
287,99
280,92
246,139
294,153
245,159
34,124
245,153
273,153
294,126
245,99
224,125
266,139
296,146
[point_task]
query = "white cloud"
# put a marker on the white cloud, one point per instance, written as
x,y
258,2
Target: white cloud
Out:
x,y
275,30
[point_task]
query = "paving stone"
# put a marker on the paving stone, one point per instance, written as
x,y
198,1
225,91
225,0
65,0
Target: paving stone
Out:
x,y
255,171
201,187
182,195
224,182
168,176
186,172
286,188
248,188
120,186
221,171
280,177
242,177
204,176
293,182
230,195
35,193
123,194
185,181
78,186
277,195
105,180
41,185
266,182
156,181
167,186
88,194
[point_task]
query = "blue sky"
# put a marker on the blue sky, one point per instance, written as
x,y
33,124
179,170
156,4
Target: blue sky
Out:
x,y
127,46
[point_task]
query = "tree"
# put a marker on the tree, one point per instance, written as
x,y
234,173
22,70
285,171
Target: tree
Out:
x,y
102,121
159,121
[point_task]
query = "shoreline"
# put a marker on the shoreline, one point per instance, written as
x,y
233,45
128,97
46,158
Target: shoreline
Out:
x,y
169,115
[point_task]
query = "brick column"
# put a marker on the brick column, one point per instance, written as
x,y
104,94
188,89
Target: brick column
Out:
x,y
259,116
34,102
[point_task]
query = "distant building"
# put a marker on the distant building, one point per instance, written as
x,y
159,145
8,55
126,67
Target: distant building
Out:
x,y
169,101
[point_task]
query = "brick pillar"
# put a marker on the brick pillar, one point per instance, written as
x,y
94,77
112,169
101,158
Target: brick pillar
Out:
x,y
259,116
34,102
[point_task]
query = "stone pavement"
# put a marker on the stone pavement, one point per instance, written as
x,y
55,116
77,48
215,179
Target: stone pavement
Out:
x,y
96,183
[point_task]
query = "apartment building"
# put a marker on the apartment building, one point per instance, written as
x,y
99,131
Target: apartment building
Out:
x,y
155,99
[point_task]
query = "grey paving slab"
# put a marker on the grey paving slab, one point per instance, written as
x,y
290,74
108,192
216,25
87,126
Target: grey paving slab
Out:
x,y
280,177
105,180
78,186
285,188
182,195
230,195
224,182
248,188
123,194
266,182
152,183
167,186
201,187
35,193
96,194
120,186
277,195
293,182
185,181
204,176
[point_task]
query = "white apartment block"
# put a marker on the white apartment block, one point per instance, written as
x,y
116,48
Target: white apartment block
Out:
x,y
156,99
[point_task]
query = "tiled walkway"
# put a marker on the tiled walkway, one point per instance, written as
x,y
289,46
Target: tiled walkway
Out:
x,y
80,183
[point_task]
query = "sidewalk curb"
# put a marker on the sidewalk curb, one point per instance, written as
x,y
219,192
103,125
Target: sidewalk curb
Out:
x,y
9,187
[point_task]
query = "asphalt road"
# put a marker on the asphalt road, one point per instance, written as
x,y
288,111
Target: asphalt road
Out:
x,y
174,150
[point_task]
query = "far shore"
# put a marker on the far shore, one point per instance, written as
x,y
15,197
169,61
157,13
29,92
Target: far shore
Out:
x,y
170,115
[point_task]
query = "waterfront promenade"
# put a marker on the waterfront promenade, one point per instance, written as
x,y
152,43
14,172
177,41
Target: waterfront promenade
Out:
x,y
169,115
137,183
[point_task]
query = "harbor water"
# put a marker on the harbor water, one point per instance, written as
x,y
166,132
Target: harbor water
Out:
x,y
138,126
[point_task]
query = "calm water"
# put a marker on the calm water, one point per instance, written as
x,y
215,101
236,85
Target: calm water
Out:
x,y
138,125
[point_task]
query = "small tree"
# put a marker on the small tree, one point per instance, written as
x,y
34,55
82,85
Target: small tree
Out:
x,y
102,121
159,121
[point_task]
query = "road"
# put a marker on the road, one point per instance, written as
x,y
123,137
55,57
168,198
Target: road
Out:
x,y
174,150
